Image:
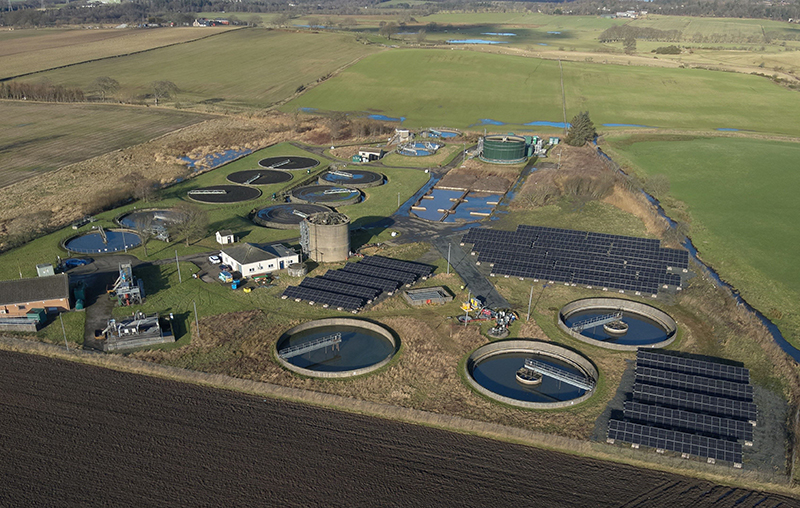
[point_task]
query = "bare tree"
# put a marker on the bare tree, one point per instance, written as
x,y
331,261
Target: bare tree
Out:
x,y
421,35
388,29
144,228
163,89
192,221
105,86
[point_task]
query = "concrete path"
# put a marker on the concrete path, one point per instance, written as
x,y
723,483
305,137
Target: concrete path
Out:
x,y
464,264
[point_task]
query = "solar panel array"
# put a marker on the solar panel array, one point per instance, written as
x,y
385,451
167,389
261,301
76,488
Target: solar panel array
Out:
x,y
579,257
676,441
358,284
688,405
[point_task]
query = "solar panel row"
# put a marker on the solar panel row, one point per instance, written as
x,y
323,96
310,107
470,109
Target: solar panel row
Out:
x,y
692,366
357,284
680,399
675,441
678,419
698,384
578,257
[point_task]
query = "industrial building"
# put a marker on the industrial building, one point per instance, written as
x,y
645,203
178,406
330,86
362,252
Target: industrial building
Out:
x,y
18,297
505,148
250,260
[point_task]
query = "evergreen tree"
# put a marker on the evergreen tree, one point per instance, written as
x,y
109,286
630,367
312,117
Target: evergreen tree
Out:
x,y
581,130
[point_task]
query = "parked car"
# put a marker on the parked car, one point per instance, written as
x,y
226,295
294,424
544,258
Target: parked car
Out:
x,y
75,262
214,260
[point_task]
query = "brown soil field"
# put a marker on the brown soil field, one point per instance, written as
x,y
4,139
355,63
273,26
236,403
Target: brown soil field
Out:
x,y
78,435
40,137
479,176
26,51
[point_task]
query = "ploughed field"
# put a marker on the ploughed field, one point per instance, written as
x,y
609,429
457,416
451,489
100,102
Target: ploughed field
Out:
x,y
78,435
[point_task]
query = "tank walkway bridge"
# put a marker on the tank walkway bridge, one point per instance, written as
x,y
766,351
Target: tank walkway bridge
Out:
x,y
576,380
312,345
596,321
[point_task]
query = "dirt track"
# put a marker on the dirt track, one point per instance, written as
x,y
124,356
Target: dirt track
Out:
x,y
74,435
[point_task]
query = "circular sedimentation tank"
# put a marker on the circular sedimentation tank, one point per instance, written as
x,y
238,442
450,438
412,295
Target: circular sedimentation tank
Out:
x,y
497,370
286,216
363,347
352,178
328,237
640,325
505,149
108,241
148,218
259,177
326,195
288,163
224,194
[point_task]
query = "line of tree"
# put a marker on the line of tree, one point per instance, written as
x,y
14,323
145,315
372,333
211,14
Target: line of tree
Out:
x,y
45,92
623,32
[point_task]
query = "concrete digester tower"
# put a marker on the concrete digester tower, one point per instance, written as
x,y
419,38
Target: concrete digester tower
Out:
x,y
325,237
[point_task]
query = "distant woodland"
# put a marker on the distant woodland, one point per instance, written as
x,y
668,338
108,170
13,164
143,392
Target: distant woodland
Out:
x,y
29,13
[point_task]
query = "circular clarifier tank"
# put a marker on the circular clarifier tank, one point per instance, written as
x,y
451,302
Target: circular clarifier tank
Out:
x,y
615,323
224,194
354,178
326,195
259,177
286,216
288,163
531,374
148,218
103,242
336,347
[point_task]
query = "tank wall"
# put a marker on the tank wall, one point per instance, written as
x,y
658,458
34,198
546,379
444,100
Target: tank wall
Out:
x,y
496,148
328,243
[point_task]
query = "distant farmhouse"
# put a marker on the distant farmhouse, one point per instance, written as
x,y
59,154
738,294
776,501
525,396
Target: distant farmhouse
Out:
x,y
211,22
19,297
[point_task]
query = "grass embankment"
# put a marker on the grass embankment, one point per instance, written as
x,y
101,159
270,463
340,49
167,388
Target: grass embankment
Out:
x,y
240,68
464,87
27,51
41,137
739,197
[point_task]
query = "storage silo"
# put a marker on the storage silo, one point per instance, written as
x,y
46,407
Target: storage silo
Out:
x,y
503,149
325,237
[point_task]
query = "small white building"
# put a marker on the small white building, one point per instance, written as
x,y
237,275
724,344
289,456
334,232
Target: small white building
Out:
x,y
250,260
225,237
370,154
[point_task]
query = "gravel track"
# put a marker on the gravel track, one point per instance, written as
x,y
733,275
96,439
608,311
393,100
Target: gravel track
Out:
x,y
77,435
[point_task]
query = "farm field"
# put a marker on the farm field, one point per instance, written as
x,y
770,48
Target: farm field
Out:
x,y
55,408
40,137
28,51
248,67
739,196
462,88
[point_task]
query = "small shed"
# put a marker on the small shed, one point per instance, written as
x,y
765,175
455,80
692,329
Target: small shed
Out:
x,y
225,237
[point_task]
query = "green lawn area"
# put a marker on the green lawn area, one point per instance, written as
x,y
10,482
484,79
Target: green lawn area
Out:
x,y
378,202
463,87
250,67
741,199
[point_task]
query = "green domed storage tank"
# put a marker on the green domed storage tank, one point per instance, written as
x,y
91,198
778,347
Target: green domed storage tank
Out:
x,y
506,149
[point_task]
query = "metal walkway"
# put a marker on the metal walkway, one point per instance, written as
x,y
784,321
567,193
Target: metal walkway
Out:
x,y
596,321
464,264
313,345
545,369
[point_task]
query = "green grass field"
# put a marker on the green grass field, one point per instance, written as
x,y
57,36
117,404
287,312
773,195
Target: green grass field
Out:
x,y
250,67
741,198
40,137
459,88
25,51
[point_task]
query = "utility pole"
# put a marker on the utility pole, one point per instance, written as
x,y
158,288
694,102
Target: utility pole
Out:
x,y
196,322
64,331
179,267
398,200
530,299
448,259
